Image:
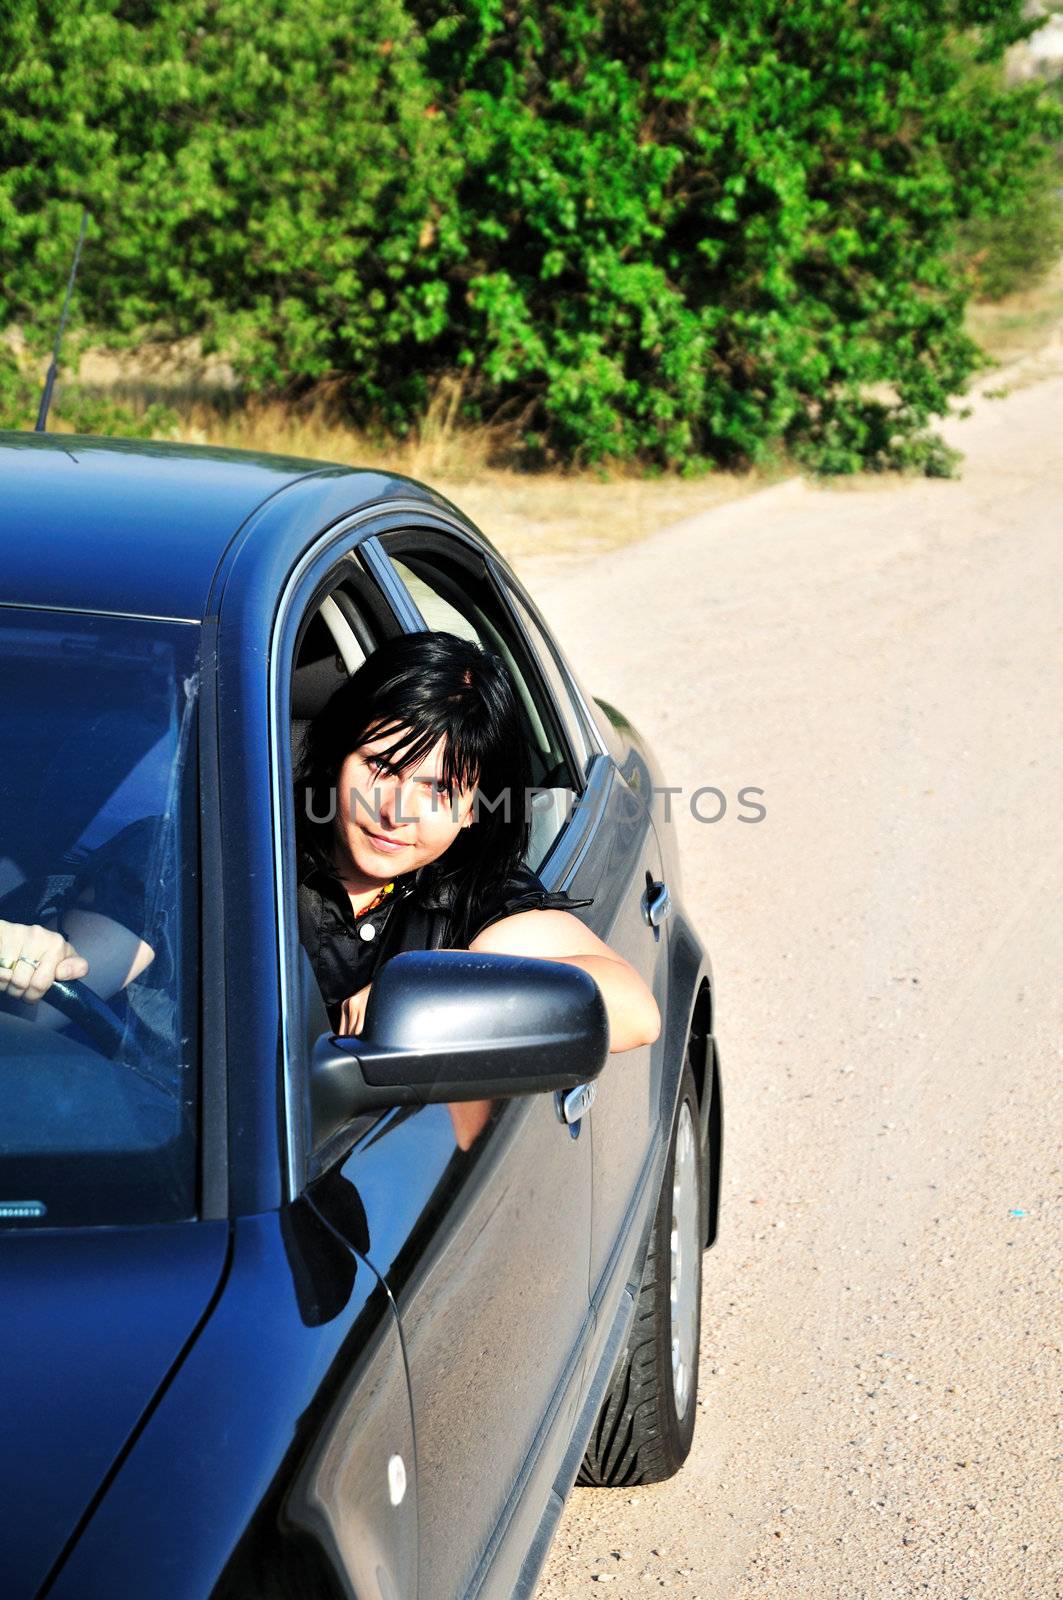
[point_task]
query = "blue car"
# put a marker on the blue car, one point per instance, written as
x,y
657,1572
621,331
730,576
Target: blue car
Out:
x,y
279,1324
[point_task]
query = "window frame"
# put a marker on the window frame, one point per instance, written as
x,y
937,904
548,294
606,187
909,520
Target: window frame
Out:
x,y
453,544
187,914
543,723
367,536
512,589
316,576
562,860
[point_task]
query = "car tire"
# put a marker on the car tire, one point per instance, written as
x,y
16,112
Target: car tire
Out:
x,y
645,1427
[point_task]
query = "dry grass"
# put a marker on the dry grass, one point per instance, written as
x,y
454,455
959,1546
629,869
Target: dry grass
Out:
x,y
524,514
579,516
554,515
1021,325
438,446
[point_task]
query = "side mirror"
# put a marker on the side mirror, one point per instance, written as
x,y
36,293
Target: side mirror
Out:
x,y
446,1025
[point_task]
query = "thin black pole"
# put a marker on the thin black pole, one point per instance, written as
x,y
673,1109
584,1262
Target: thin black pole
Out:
x,y
49,382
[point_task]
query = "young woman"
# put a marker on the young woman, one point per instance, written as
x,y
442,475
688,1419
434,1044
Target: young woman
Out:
x,y
413,827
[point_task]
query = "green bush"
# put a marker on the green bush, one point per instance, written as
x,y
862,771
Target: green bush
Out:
x,y
248,168
1016,250
680,233
1013,244
19,397
688,231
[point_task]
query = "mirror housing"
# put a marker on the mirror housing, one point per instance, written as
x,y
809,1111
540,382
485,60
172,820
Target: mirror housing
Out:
x,y
448,1025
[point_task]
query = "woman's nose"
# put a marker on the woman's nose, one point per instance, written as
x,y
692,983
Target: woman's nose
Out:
x,y
398,803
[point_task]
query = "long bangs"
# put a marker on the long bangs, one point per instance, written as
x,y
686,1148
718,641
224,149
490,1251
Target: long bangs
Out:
x,y
465,751
445,688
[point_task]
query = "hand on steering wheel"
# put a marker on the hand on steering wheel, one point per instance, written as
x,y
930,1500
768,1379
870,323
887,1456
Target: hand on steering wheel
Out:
x,y
93,1016
32,958
36,961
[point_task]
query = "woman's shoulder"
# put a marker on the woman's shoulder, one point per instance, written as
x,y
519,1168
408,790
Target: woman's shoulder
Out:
x,y
524,890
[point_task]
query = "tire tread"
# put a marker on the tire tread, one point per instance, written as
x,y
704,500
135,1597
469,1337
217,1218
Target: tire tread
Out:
x,y
627,1445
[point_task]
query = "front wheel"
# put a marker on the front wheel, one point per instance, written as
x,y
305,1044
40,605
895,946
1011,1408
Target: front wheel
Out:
x,y
646,1425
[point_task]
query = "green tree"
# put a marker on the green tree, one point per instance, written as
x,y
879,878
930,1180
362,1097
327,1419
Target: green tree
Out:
x,y
687,231
681,233
259,174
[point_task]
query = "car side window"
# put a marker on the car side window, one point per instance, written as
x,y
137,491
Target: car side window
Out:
x,y
454,593
575,721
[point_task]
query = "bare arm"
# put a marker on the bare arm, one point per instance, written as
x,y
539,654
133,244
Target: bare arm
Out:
x,y
101,952
115,955
634,1018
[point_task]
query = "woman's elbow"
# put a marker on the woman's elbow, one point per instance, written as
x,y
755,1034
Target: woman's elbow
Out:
x,y
641,1027
652,1023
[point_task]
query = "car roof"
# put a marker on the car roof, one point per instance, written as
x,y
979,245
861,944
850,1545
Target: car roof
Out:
x,y
136,526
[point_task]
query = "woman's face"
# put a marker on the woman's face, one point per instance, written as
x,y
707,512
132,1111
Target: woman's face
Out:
x,y
390,822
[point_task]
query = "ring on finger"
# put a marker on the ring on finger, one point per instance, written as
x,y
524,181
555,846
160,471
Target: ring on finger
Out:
x,y
6,964
28,960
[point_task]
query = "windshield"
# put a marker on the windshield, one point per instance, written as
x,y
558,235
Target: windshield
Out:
x,y
98,842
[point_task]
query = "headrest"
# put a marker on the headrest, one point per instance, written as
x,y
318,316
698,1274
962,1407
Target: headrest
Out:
x,y
314,683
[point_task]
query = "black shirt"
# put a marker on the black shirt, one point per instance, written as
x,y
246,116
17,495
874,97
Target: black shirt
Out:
x,y
415,916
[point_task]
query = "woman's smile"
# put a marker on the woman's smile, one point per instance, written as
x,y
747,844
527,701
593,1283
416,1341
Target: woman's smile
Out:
x,y
389,846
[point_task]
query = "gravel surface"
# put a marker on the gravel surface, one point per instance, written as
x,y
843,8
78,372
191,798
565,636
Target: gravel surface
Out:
x,y
880,1338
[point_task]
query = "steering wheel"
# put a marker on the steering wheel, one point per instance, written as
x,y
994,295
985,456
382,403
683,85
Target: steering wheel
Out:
x,y
93,1016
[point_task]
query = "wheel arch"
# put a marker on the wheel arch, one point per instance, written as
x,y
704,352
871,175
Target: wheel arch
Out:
x,y
692,977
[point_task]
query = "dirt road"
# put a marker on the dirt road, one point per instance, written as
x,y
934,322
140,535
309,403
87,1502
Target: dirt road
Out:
x,y
880,1367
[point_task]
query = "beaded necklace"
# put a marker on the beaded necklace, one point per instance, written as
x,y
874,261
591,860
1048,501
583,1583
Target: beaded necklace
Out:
x,y
377,900
367,930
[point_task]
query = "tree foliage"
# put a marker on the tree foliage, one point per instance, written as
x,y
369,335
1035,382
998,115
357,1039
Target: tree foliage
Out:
x,y
682,233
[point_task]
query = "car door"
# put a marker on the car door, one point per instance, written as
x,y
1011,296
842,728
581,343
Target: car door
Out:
x,y
476,1216
623,860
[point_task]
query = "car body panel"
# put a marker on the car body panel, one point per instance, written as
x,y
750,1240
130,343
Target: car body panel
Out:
x,y
141,527
692,1002
511,1562
628,1112
96,1318
690,987
75,513
265,1468
485,1252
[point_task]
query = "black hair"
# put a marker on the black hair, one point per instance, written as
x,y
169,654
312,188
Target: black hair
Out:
x,y
437,686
